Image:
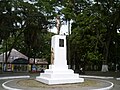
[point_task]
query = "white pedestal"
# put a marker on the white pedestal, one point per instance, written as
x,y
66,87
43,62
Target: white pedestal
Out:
x,y
58,72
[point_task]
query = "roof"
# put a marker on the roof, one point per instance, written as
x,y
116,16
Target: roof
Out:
x,y
13,55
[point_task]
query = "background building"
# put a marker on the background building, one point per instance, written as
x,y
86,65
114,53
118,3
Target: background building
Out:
x,y
18,62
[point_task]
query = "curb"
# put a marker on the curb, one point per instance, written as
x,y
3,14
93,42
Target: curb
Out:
x,y
8,88
106,88
117,78
99,77
13,77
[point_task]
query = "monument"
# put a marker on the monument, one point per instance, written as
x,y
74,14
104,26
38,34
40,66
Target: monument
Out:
x,y
58,72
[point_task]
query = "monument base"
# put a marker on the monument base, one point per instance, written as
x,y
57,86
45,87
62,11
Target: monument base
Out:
x,y
52,76
58,72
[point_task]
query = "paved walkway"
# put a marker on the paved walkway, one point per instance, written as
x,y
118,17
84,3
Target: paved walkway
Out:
x,y
91,73
99,73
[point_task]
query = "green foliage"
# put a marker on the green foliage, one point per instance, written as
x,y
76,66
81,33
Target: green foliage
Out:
x,y
95,56
24,26
94,29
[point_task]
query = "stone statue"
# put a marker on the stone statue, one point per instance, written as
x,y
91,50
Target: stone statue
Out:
x,y
58,25
52,56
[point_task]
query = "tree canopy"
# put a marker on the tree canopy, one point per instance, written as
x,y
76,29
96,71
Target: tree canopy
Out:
x,y
95,31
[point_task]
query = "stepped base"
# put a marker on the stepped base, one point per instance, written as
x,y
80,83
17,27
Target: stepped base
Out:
x,y
59,81
59,77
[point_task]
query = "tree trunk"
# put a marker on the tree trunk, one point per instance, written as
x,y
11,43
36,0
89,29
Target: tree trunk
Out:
x,y
69,59
106,51
12,46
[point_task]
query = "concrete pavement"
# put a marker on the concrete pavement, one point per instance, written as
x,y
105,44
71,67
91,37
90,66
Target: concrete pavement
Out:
x,y
91,73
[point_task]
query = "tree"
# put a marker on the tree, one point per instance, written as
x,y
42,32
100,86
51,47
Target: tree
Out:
x,y
26,20
94,27
109,15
